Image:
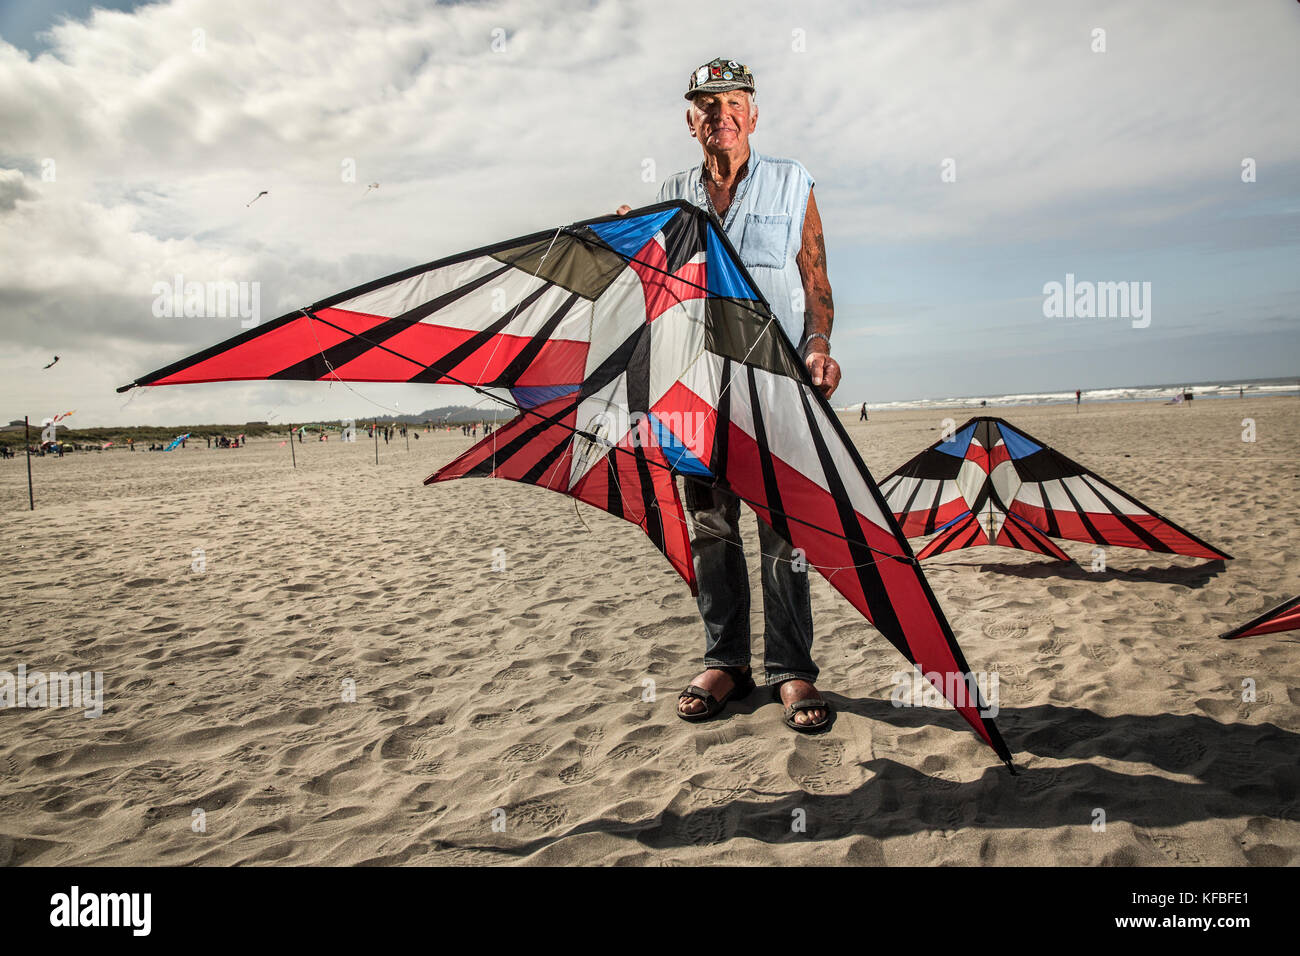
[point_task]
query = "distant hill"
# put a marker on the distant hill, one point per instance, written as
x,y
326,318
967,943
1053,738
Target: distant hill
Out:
x,y
447,413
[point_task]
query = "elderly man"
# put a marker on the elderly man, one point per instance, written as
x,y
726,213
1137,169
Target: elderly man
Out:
x,y
767,208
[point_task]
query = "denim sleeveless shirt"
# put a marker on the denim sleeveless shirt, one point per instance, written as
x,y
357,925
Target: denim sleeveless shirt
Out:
x,y
765,224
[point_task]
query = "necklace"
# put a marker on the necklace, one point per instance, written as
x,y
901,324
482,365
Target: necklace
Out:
x,y
735,200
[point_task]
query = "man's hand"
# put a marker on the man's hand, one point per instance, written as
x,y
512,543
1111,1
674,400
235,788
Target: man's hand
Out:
x,y
623,210
825,372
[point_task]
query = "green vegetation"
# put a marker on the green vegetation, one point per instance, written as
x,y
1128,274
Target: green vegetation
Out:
x,y
144,435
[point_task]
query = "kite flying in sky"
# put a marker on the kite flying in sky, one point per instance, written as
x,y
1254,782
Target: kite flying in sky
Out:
x,y
990,483
635,350
1284,617
52,363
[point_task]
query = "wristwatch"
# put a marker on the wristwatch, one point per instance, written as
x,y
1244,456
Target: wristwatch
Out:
x,y
803,349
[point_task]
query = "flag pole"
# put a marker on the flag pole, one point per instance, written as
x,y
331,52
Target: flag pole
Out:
x,y
292,451
27,444
374,427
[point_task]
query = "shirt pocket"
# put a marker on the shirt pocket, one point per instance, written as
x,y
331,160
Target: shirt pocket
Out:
x,y
765,241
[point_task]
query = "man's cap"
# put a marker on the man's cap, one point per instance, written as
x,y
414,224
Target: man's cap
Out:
x,y
719,75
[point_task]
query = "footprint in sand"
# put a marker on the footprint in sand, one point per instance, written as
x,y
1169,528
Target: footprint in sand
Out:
x,y
707,796
1176,848
940,781
536,815
1005,630
947,817
634,752
706,827
513,673
490,720
1184,750
1100,653
1038,781
813,764
525,753
576,773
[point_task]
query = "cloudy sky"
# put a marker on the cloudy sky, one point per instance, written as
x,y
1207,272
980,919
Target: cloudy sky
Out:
x,y
132,139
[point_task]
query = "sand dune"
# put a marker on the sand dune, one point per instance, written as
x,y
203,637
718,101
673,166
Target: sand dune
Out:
x,y
523,690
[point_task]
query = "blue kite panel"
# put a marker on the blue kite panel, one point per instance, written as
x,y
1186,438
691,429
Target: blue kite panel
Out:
x,y
628,234
957,445
531,397
725,277
1016,443
680,458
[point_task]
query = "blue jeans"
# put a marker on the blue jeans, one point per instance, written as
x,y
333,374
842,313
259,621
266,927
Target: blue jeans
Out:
x,y
723,582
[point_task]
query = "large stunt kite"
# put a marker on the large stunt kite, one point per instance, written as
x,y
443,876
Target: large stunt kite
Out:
x,y
635,349
1284,617
990,483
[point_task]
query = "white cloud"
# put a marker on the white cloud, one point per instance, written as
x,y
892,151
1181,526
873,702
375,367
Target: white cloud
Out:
x,y
160,136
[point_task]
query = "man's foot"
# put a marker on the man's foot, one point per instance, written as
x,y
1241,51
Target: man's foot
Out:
x,y
795,690
714,680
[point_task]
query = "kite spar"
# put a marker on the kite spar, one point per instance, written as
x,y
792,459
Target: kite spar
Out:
x,y
634,349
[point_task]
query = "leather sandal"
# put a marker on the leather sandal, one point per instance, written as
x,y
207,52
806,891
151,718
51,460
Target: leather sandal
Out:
x,y
807,703
743,686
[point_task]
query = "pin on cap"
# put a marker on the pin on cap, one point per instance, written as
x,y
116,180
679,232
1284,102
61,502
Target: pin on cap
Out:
x,y
718,76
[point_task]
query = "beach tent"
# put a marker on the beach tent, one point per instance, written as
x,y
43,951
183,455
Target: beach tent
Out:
x,y
635,350
990,483
1284,617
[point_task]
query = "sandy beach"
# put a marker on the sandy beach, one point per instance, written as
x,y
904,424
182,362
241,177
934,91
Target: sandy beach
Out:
x,y
227,598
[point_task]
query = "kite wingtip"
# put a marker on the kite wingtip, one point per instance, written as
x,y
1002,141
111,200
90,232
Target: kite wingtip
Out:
x,y
1011,767
127,388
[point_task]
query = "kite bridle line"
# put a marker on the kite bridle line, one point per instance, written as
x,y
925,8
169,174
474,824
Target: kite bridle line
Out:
x,y
595,439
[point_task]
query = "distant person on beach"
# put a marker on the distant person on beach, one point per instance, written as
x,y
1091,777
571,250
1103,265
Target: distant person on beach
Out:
x,y
863,417
767,208
1078,397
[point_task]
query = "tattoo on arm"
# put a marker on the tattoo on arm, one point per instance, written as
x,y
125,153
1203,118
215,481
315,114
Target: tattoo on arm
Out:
x,y
819,309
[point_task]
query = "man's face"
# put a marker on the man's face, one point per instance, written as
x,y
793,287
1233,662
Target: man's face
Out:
x,y
722,121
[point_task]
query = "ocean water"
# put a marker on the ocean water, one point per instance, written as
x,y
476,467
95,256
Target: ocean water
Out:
x,y
1131,393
